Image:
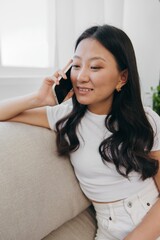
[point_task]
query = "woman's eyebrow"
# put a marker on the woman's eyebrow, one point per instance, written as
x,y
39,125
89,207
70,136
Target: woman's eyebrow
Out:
x,y
91,59
97,58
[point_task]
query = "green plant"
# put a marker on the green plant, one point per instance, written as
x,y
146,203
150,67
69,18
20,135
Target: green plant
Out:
x,y
156,99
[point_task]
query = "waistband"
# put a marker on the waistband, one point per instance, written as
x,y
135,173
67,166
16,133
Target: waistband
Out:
x,y
150,189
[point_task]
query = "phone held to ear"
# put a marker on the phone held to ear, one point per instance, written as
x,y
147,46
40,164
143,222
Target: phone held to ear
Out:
x,y
65,85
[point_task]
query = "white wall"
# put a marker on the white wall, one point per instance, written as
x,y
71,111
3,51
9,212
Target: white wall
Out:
x,y
88,13
12,87
81,14
139,18
113,12
75,16
142,24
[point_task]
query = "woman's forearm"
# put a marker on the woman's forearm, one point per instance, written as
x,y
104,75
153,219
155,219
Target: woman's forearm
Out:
x,y
149,228
43,97
12,107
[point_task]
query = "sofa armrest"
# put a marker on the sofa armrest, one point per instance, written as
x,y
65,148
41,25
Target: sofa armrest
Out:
x,y
39,191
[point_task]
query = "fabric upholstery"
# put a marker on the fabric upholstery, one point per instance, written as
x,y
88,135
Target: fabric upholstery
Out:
x,y
38,190
82,227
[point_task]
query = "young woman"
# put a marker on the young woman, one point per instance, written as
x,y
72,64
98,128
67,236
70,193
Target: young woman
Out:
x,y
113,142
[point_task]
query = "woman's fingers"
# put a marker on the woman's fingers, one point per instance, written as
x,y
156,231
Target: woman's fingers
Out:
x,y
55,78
62,72
67,65
49,81
69,95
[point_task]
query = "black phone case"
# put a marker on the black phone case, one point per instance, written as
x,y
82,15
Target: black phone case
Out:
x,y
65,85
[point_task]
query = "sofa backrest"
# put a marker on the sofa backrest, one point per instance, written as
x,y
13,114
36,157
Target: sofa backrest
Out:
x,y
38,189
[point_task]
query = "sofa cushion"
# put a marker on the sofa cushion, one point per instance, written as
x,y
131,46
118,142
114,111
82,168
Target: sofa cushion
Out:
x,y
39,191
82,227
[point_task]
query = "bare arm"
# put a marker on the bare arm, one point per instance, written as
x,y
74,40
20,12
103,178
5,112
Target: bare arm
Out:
x,y
36,116
149,228
30,108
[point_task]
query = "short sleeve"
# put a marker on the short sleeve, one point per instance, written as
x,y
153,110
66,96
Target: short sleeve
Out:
x,y
154,120
57,112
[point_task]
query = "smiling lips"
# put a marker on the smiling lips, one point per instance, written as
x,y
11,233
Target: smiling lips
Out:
x,y
84,90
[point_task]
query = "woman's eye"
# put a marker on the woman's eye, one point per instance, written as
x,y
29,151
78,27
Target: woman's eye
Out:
x,y
95,67
75,66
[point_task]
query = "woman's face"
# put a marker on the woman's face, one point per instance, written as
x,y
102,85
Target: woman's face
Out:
x,y
95,76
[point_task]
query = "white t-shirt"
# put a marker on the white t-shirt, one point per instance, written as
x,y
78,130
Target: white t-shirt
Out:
x,y
101,182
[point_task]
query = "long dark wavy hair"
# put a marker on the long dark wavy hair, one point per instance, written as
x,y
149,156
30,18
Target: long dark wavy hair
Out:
x,y
132,135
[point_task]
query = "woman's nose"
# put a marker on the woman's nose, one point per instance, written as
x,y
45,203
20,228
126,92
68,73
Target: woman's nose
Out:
x,y
83,75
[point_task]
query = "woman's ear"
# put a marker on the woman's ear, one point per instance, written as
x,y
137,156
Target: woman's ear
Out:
x,y
124,77
123,80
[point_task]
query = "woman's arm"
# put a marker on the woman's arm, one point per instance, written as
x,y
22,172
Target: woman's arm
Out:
x,y
30,108
149,228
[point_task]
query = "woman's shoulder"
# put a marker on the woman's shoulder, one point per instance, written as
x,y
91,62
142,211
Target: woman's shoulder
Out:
x,y
153,118
57,112
61,108
151,113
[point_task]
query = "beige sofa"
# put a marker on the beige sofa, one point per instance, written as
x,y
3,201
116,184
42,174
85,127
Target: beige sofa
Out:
x,y
40,197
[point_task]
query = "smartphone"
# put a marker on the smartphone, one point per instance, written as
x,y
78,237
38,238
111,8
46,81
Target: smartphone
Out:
x,y
65,85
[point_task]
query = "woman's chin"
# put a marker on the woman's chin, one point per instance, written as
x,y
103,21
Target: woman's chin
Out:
x,y
83,101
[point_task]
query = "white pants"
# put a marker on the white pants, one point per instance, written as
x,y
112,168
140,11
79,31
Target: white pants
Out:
x,y
116,220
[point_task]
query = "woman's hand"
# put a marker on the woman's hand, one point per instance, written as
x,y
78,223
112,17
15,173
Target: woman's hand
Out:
x,y
24,108
45,94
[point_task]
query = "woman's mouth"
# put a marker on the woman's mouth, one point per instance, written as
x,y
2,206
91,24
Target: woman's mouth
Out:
x,y
84,90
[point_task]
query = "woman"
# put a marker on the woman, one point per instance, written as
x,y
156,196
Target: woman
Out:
x,y
113,142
